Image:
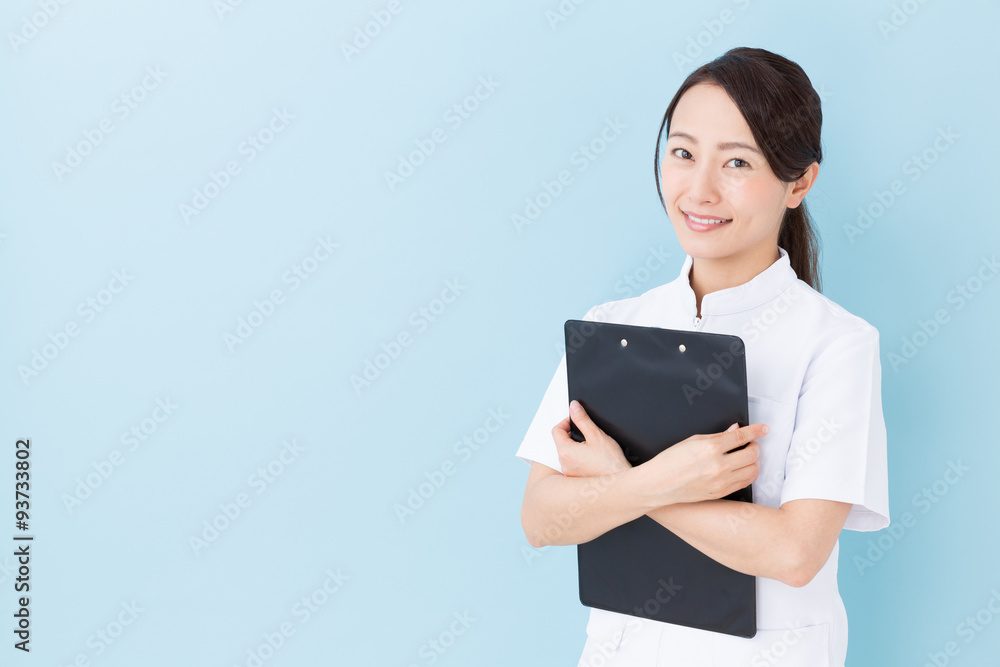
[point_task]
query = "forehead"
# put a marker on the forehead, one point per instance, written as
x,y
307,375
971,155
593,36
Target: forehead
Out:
x,y
706,110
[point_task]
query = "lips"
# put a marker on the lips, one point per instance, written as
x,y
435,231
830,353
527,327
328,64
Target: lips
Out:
x,y
704,223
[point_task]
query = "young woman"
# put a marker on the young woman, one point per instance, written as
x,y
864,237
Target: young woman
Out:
x,y
742,150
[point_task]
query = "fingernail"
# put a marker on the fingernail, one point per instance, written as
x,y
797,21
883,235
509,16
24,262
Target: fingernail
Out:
x,y
574,407
732,428
765,429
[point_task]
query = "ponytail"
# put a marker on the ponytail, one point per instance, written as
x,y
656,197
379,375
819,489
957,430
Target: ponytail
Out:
x,y
799,240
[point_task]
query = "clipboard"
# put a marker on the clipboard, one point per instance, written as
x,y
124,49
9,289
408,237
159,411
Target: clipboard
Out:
x,y
650,388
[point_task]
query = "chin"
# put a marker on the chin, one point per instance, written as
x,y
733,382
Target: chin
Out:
x,y
700,246
701,251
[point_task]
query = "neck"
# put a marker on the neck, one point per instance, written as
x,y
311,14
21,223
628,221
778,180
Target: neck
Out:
x,y
712,275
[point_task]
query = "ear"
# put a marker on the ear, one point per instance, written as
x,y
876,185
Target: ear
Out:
x,y
801,187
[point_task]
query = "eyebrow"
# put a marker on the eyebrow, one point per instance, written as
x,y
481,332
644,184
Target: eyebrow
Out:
x,y
723,146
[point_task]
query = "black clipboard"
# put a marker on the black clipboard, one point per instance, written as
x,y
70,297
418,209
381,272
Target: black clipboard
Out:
x,y
650,388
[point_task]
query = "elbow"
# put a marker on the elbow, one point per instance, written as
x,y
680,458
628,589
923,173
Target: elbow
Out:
x,y
799,577
533,539
801,567
534,536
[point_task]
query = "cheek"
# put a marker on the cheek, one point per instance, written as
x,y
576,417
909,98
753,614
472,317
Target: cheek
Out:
x,y
671,183
754,196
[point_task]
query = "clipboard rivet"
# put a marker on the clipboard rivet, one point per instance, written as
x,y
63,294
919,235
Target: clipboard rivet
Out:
x,y
624,343
681,347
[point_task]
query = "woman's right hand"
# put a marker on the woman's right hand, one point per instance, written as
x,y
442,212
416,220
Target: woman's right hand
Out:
x,y
699,468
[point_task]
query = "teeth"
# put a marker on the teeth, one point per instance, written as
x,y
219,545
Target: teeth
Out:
x,y
705,221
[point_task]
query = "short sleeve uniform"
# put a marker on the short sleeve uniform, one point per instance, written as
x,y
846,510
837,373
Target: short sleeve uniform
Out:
x,y
814,377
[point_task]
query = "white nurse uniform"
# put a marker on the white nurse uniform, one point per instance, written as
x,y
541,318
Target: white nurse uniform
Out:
x,y
814,377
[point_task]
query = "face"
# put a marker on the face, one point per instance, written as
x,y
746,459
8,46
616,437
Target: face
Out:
x,y
712,170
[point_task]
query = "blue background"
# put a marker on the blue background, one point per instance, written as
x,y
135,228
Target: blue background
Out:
x,y
334,506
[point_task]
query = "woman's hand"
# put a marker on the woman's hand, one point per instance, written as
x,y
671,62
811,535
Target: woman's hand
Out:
x,y
704,467
599,453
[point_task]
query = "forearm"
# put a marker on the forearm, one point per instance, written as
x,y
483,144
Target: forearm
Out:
x,y
748,538
562,510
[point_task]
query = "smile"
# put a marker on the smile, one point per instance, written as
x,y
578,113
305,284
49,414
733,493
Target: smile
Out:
x,y
700,224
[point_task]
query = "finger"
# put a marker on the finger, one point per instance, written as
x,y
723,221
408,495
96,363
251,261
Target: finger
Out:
x,y
744,457
745,465
560,432
746,475
742,478
587,427
730,440
562,426
702,436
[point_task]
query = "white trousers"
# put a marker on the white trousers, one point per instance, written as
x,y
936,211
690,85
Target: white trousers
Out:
x,y
620,640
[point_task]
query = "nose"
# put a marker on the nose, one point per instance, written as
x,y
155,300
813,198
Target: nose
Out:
x,y
703,187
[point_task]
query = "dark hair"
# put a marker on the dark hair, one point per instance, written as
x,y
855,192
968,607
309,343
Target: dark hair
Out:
x,y
782,108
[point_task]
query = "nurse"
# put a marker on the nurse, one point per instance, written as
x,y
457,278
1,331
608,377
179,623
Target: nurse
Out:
x,y
740,151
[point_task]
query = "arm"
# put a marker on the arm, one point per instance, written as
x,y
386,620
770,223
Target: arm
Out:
x,y
600,490
572,510
840,397
791,543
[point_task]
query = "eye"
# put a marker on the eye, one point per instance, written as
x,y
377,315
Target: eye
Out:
x,y
740,166
680,149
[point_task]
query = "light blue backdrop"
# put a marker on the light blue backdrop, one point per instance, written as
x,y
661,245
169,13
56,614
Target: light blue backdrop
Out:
x,y
200,249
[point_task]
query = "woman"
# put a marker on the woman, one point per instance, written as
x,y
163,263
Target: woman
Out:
x,y
742,150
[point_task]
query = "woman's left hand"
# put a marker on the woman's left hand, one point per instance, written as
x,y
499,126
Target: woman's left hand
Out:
x,y
599,453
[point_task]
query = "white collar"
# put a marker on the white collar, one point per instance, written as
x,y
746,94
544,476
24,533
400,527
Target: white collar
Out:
x,y
757,291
